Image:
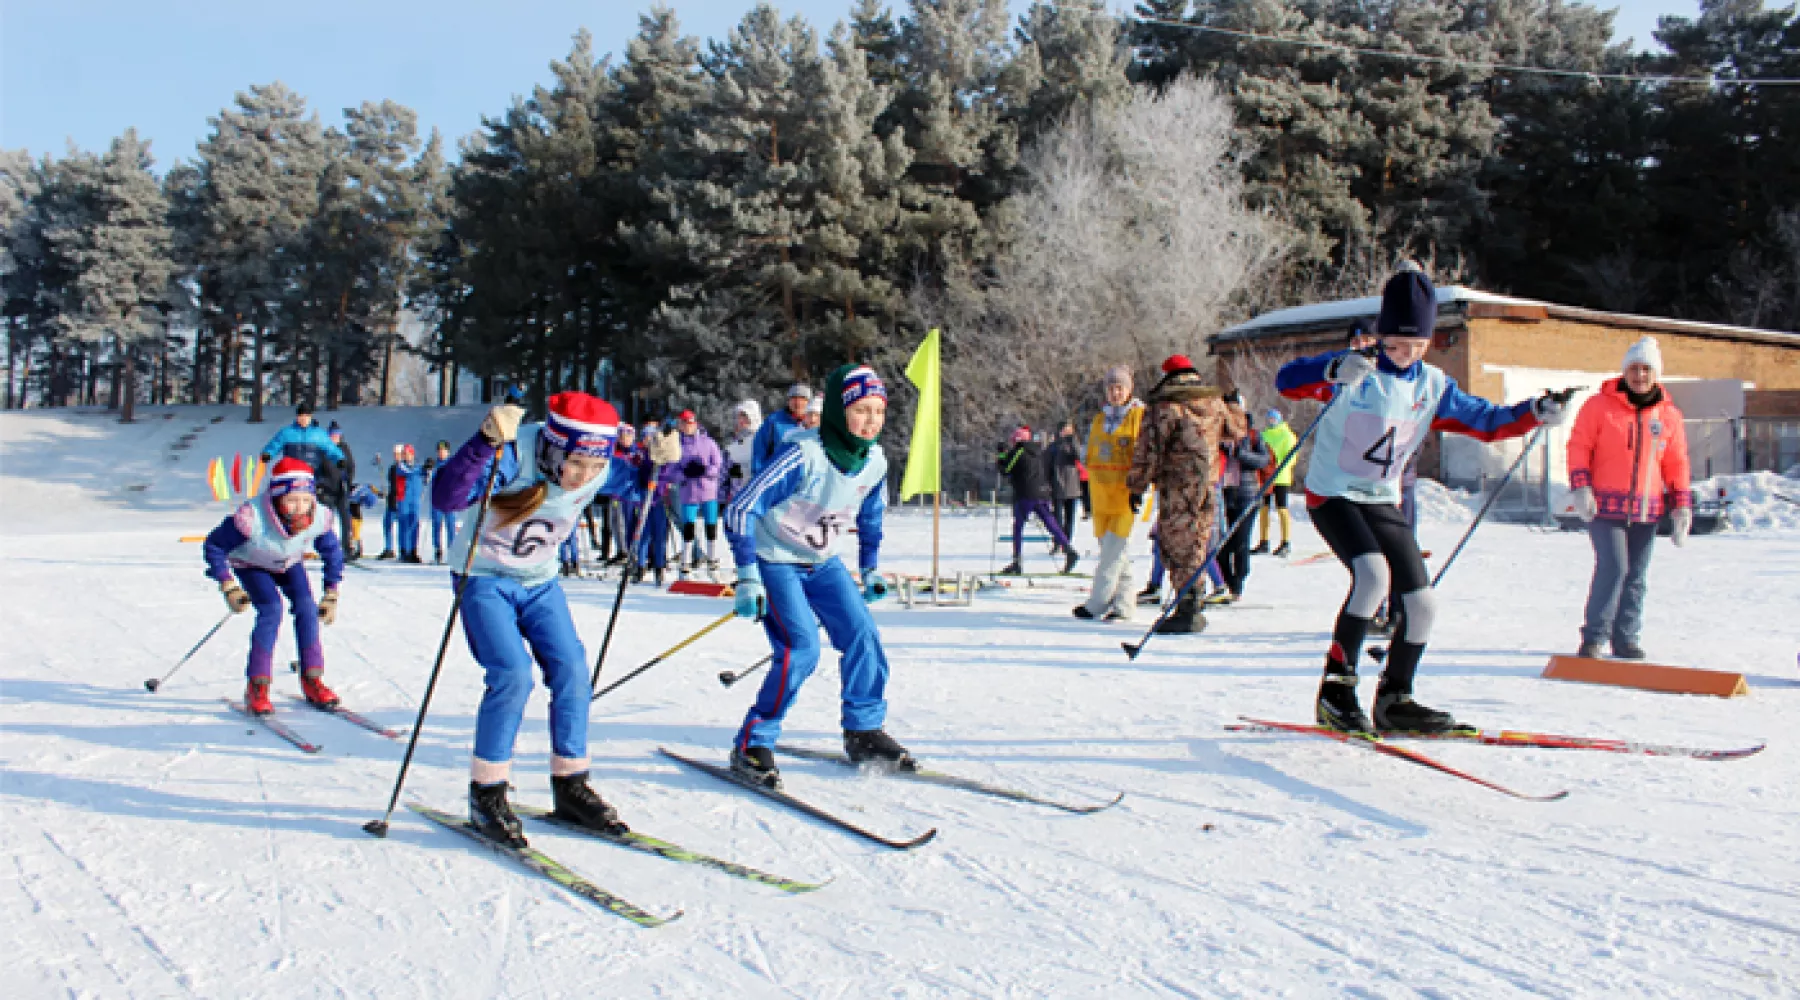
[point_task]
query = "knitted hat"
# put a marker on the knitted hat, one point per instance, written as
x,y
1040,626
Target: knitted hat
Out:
x,y
1273,416
1119,375
334,430
749,408
580,424
1021,433
800,389
290,475
861,382
817,405
406,450
1176,364
1408,306
303,409
685,415
1645,352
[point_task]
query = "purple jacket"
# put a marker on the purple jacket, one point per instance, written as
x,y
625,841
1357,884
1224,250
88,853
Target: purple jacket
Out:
x,y
697,474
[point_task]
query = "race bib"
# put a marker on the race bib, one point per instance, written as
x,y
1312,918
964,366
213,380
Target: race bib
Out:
x,y
528,543
1376,447
812,527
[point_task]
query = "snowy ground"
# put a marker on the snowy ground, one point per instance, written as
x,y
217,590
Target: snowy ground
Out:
x,y
159,846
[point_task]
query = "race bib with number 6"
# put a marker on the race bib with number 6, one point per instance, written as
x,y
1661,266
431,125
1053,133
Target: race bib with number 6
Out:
x,y
526,544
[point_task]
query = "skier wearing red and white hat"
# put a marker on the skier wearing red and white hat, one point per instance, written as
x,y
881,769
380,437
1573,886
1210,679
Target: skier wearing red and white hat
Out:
x,y
512,598
258,554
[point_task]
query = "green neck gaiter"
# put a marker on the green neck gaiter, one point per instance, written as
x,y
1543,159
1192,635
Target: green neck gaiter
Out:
x,y
846,451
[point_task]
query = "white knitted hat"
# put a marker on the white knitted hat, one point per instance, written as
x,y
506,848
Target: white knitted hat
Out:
x,y
1645,352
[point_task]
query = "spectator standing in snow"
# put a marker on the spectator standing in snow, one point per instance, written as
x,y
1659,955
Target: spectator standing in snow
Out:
x,y
695,479
774,431
1628,464
1063,465
1280,440
746,420
1023,466
1112,439
1240,461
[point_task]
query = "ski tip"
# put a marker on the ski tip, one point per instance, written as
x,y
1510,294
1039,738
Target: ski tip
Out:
x,y
1131,650
376,828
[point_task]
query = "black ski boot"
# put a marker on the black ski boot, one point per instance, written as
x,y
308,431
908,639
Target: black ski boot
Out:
x,y
575,801
1150,595
875,746
1399,713
1282,550
492,816
1589,651
758,765
1262,548
1083,613
1069,560
1186,619
1011,569
1625,649
1337,707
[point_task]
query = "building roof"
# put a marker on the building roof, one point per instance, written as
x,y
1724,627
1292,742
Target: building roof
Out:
x,y
1457,303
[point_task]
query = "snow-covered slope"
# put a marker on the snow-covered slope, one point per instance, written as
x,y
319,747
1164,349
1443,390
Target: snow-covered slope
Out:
x,y
159,846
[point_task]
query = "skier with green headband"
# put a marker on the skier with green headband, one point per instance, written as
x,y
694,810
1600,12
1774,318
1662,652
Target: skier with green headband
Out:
x,y
785,529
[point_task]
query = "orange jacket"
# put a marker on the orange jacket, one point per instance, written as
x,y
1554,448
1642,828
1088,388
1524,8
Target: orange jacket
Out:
x,y
1636,461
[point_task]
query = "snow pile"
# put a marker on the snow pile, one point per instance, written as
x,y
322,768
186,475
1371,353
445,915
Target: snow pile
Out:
x,y
1755,500
1437,502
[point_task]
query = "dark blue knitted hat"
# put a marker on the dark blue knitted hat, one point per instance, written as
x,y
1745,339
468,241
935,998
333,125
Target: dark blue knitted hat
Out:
x,y
1408,306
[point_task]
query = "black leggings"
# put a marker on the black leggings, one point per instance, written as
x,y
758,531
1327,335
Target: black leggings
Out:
x,y
1376,544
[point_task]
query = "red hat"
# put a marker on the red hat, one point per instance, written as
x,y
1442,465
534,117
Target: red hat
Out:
x,y
581,424
1021,433
288,476
685,415
1177,363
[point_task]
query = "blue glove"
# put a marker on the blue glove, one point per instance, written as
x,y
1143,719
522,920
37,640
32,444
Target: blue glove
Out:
x,y
874,586
752,600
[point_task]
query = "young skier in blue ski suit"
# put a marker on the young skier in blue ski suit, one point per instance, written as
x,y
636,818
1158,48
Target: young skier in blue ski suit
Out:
x,y
511,596
1353,492
785,528
263,544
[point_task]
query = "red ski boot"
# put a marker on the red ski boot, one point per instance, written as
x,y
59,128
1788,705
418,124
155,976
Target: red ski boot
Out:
x,y
256,697
312,684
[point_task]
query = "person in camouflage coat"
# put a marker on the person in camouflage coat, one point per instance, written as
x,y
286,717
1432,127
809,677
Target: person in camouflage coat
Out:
x,y
1177,452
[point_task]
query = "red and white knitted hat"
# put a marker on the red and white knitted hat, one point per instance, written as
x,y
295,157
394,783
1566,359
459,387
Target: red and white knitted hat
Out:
x,y
288,476
581,424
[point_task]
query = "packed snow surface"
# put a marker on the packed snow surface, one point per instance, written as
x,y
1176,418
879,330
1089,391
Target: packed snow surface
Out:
x,y
160,846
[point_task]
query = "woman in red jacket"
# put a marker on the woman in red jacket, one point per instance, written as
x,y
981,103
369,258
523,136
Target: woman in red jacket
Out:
x,y
1628,461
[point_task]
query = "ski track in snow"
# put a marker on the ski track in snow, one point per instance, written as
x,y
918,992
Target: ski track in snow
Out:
x,y
162,846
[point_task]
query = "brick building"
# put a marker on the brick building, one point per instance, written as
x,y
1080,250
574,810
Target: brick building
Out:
x,y
1738,387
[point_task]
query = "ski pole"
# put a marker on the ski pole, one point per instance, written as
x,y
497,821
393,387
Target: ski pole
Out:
x,y
631,566
671,651
1131,650
379,827
729,678
153,683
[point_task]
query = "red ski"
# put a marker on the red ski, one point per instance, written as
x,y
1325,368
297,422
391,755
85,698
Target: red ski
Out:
x,y
277,727
353,718
1554,741
1379,745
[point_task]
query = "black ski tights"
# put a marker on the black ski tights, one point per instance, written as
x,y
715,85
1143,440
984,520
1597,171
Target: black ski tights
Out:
x,y
1376,544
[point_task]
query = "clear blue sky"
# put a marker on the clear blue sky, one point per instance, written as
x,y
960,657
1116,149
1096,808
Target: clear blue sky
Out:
x,y
84,70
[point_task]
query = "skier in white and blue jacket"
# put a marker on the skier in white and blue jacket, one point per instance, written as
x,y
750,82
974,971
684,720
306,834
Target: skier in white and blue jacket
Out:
x,y
512,599
781,425
1360,449
785,528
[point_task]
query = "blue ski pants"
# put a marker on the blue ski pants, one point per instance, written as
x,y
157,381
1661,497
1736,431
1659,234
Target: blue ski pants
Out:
x,y
802,598
443,529
266,590
500,617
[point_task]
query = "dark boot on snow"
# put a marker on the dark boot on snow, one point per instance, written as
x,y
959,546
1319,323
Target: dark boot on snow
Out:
x,y
1262,548
1625,649
1080,611
1282,550
1150,595
1590,651
575,801
256,697
758,765
1069,560
1399,713
386,554
492,816
1012,569
1337,707
1186,619
875,746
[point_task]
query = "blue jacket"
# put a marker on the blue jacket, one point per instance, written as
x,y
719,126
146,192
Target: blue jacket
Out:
x,y
406,487
769,438
624,473
312,445
799,509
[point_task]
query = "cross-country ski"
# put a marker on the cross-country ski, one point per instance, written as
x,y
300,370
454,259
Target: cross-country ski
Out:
x,y
935,777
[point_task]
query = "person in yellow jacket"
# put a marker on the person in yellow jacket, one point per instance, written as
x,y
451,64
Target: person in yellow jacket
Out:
x,y
1111,442
1280,438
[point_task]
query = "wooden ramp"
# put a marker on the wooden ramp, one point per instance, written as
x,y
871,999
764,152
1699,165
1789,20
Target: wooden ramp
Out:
x,y
1646,676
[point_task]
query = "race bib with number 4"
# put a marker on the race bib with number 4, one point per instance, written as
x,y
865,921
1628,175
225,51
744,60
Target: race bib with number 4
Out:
x,y
1376,447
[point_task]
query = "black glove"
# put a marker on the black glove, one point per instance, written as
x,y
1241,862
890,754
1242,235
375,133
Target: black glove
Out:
x,y
1137,502
736,471
695,469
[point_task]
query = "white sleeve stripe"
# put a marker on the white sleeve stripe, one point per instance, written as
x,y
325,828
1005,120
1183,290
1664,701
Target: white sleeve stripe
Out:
x,y
739,511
